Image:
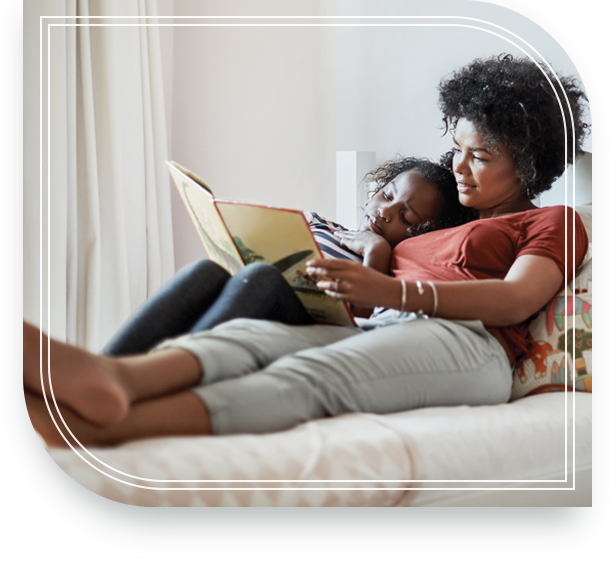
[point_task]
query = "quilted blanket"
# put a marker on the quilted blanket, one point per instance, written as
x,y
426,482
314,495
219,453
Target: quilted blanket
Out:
x,y
354,460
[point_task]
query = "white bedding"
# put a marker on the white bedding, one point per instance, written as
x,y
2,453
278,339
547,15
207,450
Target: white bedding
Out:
x,y
387,460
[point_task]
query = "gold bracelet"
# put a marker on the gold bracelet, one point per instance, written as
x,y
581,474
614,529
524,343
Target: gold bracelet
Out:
x,y
435,298
403,297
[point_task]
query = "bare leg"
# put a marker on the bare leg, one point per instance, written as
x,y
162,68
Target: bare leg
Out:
x,y
178,414
101,390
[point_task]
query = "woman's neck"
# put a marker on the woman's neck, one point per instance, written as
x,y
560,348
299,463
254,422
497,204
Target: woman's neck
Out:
x,y
507,209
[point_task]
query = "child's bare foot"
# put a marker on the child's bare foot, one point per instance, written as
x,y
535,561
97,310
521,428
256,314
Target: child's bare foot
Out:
x,y
88,384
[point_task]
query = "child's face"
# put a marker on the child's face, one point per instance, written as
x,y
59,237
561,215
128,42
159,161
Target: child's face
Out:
x,y
407,200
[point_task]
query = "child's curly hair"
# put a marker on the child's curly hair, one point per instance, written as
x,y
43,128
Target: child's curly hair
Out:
x,y
451,212
510,100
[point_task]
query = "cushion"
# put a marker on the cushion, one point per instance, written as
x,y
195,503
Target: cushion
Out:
x,y
553,349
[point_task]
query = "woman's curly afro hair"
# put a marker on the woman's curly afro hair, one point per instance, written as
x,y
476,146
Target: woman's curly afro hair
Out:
x,y
510,100
451,212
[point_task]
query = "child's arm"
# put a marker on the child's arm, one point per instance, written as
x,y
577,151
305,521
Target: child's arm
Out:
x,y
374,249
376,253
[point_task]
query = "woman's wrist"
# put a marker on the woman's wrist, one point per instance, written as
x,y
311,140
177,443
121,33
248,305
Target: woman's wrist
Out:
x,y
417,296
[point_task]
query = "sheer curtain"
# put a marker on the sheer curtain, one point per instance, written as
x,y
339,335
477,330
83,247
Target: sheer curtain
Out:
x,y
104,186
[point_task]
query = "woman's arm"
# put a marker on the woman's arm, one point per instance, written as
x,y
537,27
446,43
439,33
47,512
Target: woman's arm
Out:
x,y
528,286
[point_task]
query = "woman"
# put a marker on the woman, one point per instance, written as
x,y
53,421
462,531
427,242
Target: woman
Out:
x,y
453,316
412,196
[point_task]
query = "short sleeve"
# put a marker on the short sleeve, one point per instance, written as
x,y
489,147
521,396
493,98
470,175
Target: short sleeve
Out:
x,y
553,231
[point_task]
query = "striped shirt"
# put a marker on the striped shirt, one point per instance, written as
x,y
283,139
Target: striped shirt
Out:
x,y
324,232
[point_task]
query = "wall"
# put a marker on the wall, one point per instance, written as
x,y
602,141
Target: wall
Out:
x,y
259,112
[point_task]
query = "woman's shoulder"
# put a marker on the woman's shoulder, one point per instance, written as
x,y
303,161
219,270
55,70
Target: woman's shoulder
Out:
x,y
554,215
553,225
557,215
550,218
556,209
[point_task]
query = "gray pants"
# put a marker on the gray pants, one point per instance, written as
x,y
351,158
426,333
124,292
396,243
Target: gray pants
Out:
x,y
263,376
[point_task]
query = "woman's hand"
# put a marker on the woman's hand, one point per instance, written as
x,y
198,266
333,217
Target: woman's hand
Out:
x,y
354,283
359,312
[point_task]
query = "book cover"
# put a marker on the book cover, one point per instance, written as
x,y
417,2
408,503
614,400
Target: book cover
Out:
x,y
236,233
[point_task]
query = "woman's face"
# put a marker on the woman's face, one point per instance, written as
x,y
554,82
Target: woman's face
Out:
x,y
486,176
407,200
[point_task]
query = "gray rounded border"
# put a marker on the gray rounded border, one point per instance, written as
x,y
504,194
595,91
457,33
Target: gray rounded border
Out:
x,y
295,531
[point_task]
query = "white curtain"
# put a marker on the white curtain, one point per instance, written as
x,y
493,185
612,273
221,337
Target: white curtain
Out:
x,y
111,242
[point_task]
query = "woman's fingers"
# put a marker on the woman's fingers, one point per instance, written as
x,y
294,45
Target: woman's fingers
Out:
x,y
331,288
325,263
335,285
354,283
325,267
348,274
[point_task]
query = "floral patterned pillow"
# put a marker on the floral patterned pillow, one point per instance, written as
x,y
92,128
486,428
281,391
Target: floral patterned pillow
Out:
x,y
553,347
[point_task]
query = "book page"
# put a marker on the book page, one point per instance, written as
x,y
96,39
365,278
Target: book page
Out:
x,y
191,175
206,218
283,239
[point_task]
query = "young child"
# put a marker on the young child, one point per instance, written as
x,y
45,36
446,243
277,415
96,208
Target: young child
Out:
x,y
412,196
415,195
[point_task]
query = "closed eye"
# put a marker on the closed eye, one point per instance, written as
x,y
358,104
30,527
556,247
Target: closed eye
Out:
x,y
410,217
405,221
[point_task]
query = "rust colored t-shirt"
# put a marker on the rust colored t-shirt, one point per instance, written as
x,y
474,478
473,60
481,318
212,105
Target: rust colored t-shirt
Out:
x,y
486,249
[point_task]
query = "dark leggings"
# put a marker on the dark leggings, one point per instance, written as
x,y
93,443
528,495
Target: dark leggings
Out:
x,y
203,295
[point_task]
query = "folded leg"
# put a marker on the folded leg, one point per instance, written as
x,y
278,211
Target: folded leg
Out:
x,y
202,296
259,292
172,310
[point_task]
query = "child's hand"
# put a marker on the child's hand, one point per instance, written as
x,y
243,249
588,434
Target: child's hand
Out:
x,y
374,248
362,242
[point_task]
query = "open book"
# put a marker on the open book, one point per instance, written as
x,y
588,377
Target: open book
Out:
x,y
237,233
